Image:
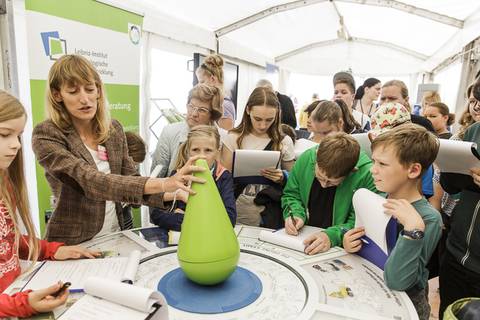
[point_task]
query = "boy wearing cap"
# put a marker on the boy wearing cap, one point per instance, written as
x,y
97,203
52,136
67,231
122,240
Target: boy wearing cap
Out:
x,y
320,188
388,116
400,157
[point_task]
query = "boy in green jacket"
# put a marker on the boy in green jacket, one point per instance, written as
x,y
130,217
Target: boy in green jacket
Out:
x,y
320,188
400,157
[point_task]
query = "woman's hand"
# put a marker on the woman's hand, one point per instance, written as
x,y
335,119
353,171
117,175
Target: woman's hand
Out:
x,y
276,175
182,195
75,252
183,178
43,300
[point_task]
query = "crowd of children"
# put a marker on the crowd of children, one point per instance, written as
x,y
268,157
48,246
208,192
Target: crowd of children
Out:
x,y
88,163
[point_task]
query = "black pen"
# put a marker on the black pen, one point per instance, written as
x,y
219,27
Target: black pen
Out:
x,y
61,290
292,217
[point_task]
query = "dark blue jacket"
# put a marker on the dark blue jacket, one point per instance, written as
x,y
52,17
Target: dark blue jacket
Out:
x,y
464,238
173,221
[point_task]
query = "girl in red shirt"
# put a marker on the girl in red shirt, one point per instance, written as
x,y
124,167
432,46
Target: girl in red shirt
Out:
x,y
14,211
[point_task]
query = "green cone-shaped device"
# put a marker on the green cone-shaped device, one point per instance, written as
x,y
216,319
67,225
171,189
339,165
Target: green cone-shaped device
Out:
x,y
208,249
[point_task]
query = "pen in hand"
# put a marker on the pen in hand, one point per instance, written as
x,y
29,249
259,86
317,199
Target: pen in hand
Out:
x,y
292,218
61,290
344,230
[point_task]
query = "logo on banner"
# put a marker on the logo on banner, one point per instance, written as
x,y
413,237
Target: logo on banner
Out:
x,y
134,33
54,46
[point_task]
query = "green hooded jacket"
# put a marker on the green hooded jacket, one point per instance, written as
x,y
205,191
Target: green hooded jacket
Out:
x,y
297,192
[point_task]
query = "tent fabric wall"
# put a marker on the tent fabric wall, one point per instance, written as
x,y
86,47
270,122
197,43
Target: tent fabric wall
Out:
x,y
248,76
456,43
285,26
169,27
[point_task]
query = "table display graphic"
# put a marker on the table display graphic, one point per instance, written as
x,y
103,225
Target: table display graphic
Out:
x,y
277,278
351,283
331,285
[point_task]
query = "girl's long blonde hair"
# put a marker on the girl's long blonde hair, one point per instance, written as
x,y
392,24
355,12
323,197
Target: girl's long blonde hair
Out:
x,y
74,70
203,131
261,96
13,189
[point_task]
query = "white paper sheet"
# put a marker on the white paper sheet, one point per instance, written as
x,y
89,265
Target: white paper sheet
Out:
x,y
93,308
248,163
173,237
302,145
114,300
456,156
364,142
132,267
121,243
281,238
369,213
77,271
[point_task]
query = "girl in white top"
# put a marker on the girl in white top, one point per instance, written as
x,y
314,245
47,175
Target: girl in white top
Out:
x,y
260,127
367,95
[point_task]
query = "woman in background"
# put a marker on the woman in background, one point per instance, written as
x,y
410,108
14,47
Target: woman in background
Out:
x,y
211,72
366,96
440,117
204,107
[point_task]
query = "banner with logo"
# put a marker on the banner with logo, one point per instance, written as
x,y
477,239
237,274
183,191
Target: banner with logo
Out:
x,y
107,36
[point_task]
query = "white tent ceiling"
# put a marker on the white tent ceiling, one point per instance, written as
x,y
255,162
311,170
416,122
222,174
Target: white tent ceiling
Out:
x,y
372,37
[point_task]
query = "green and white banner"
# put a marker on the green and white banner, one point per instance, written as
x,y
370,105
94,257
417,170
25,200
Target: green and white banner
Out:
x,y
107,36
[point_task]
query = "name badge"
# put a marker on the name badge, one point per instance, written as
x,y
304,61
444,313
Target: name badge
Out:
x,y
102,153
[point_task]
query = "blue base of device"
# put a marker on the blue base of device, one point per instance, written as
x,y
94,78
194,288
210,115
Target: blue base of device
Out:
x,y
239,290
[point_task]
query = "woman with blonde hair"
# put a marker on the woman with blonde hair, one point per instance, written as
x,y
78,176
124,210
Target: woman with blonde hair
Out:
x,y
211,72
85,157
15,212
204,107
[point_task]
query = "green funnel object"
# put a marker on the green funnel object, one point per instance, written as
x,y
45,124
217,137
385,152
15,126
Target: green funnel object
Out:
x,y
208,249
